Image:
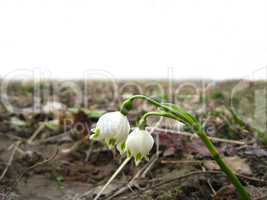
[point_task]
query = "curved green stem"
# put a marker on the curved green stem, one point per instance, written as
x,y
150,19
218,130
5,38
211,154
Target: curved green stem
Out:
x,y
185,117
142,122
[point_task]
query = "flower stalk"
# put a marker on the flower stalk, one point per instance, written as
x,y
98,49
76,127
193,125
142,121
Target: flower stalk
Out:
x,y
142,122
171,111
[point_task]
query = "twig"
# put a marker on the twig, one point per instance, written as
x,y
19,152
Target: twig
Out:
x,y
75,146
252,179
52,138
154,160
212,172
38,164
11,158
162,181
215,139
170,180
131,183
36,133
112,177
89,151
180,162
209,183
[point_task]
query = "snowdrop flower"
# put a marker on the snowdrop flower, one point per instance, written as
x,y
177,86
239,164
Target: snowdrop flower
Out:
x,y
113,128
138,144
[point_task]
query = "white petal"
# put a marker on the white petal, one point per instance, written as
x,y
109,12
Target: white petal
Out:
x,y
139,141
113,125
122,131
147,144
133,142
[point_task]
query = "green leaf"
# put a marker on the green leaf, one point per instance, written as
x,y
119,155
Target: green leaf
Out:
x,y
181,114
74,110
95,114
53,124
92,114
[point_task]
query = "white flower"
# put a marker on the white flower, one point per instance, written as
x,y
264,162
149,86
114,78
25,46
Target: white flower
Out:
x,y
113,128
138,144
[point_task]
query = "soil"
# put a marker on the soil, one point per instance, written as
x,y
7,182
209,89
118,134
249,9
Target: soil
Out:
x,y
62,163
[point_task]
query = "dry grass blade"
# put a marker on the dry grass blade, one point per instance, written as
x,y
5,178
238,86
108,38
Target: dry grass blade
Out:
x,y
11,158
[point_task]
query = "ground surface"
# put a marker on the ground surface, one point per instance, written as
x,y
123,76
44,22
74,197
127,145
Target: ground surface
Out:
x,y
46,155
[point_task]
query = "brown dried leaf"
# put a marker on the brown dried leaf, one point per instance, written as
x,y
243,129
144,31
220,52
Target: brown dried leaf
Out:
x,y
238,164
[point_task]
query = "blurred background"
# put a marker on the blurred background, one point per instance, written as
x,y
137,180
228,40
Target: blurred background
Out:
x,y
135,39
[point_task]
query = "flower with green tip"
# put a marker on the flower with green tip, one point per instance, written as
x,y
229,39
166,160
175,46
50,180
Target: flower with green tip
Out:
x,y
113,128
138,144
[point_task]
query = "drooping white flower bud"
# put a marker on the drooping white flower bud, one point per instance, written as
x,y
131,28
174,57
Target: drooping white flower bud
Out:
x,y
113,128
138,144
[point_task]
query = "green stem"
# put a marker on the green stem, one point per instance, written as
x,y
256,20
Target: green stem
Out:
x,y
128,104
216,156
142,122
185,117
